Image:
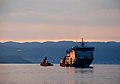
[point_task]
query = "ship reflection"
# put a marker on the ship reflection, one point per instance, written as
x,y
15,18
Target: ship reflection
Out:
x,y
73,70
84,71
80,75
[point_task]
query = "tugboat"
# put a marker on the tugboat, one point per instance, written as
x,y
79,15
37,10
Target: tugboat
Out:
x,y
78,56
45,62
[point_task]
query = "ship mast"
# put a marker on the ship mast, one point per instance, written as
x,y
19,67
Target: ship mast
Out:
x,y
82,43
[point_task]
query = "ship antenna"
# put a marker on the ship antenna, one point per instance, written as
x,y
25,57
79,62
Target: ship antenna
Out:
x,y
82,43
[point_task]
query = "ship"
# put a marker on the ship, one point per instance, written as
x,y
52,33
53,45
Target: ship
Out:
x,y
78,56
45,62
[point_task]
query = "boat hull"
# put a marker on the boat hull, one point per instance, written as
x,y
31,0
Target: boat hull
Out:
x,y
83,62
46,64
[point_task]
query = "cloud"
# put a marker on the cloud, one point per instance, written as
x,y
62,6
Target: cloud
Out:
x,y
105,17
59,19
69,12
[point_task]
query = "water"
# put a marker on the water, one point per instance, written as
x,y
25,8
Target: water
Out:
x,y
36,74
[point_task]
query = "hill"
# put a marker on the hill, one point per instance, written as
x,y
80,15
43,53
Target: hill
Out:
x,y
34,52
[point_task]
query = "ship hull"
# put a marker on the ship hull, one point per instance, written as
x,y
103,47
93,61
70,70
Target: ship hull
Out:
x,y
83,62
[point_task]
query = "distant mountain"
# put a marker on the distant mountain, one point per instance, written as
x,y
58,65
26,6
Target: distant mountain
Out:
x,y
13,59
34,52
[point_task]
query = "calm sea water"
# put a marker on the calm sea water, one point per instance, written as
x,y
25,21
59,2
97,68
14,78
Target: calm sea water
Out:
x,y
36,74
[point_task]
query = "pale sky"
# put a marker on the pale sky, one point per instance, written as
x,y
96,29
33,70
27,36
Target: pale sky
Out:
x,y
57,20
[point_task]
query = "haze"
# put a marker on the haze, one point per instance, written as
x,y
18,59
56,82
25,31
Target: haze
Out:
x,y
56,20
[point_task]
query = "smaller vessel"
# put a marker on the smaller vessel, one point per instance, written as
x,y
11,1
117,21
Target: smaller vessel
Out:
x,y
45,62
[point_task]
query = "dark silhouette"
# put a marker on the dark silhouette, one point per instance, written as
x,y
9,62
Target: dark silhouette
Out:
x,y
33,52
45,62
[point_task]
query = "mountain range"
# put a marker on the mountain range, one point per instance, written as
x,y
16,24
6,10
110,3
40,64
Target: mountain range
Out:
x,y
34,52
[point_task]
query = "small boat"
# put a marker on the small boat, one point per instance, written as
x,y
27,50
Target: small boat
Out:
x,y
64,63
45,62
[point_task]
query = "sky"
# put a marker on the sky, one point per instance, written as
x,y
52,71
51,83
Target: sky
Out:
x,y
58,20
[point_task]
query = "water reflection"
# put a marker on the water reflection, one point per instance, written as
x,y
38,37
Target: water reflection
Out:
x,y
84,71
80,75
35,74
79,70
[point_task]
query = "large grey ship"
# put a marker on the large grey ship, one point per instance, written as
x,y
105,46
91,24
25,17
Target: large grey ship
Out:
x,y
78,56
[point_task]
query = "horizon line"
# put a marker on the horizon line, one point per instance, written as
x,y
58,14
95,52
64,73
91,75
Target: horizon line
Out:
x,y
53,41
